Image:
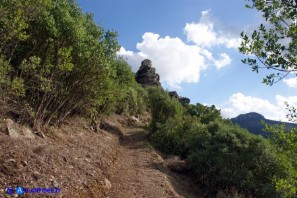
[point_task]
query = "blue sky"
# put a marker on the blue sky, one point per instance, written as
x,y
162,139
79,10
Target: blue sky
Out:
x,y
193,44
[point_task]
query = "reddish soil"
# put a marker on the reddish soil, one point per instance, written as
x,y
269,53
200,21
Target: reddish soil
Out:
x,y
116,162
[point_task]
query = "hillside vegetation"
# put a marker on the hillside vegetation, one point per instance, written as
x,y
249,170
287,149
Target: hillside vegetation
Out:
x,y
56,63
220,155
253,122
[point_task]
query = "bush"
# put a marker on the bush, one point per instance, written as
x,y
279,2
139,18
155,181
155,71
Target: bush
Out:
x,y
118,85
162,107
223,156
231,156
137,99
5,82
204,113
168,137
286,143
134,100
61,61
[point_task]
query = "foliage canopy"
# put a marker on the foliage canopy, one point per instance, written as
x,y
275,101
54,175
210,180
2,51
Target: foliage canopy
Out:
x,y
274,44
55,61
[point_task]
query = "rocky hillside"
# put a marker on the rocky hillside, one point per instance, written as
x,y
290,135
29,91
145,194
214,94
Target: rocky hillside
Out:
x,y
252,122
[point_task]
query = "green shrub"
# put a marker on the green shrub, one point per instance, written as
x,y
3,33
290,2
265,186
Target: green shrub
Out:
x,y
5,82
204,113
134,100
168,137
223,156
137,99
118,83
231,156
162,107
62,62
286,143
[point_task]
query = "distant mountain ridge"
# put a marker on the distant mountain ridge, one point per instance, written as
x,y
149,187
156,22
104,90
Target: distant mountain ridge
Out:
x,y
252,122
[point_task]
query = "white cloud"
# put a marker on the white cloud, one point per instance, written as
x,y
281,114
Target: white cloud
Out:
x,y
291,82
176,61
225,60
204,34
239,103
205,12
201,34
292,100
134,59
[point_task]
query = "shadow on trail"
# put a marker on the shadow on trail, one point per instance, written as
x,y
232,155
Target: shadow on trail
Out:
x,y
135,140
181,183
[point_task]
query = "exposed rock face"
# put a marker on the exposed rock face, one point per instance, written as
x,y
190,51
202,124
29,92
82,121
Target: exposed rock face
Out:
x,y
173,94
15,131
182,100
146,75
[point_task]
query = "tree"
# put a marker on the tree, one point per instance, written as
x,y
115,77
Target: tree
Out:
x,y
60,60
204,113
274,44
162,106
292,116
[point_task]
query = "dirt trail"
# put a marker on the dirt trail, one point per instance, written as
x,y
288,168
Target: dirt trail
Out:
x,y
116,162
140,172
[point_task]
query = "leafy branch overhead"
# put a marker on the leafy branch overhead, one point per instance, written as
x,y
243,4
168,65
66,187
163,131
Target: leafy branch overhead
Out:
x,y
274,44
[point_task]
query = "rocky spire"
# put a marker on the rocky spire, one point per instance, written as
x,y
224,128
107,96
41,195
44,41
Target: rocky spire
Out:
x,y
183,100
146,75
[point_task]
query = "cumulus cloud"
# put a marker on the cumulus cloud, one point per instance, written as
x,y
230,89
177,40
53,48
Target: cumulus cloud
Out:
x,y
177,61
239,103
292,100
291,82
174,60
225,60
203,34
134,59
